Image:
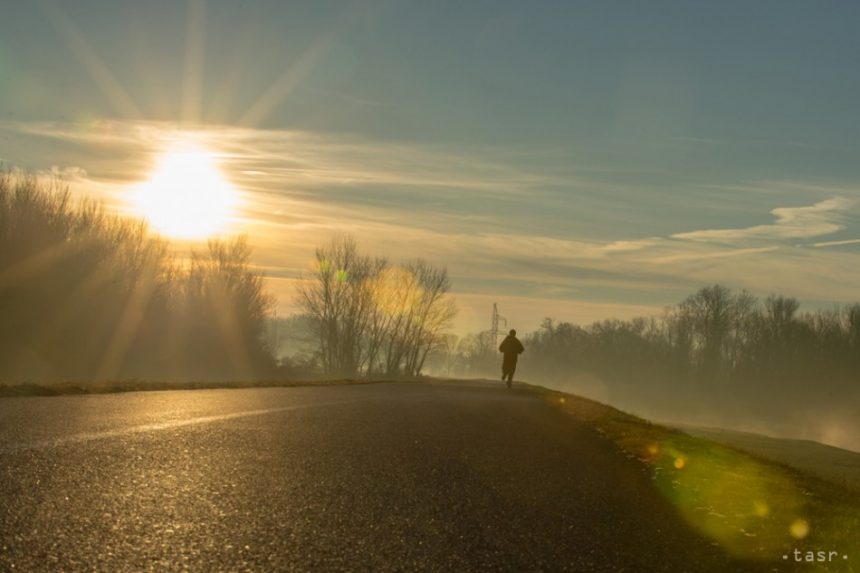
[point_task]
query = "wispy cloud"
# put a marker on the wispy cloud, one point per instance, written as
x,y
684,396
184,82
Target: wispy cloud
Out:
x,y
67,173
836,243
822,218
282,157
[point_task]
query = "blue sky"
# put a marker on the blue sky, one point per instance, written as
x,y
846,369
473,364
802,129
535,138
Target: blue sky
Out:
x,y
576,159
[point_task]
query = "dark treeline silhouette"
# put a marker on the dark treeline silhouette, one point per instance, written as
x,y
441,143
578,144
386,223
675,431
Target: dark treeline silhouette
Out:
x,y
718,355
369,317
87,295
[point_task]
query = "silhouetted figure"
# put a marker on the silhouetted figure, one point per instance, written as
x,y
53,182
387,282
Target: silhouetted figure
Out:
x,y
511,348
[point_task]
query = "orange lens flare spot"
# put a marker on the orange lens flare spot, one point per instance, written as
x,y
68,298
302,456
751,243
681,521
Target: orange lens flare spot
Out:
x,y
680,463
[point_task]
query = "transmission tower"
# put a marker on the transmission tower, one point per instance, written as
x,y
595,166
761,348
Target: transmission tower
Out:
x,y
497,318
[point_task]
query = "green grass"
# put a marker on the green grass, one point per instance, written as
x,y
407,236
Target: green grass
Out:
x,y
753,507
831,463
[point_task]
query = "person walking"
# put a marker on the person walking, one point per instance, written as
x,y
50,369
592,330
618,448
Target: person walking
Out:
x,y
511,348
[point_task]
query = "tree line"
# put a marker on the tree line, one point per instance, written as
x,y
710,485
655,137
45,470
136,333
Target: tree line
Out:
x,y
89,295
718,348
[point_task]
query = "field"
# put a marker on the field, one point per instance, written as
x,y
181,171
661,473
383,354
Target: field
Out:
x,y
833,464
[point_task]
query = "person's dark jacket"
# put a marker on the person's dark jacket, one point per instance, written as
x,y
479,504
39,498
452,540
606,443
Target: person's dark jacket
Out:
x,y
511,348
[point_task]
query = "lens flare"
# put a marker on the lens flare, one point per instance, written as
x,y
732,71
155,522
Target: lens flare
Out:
x,y
761,508
799,528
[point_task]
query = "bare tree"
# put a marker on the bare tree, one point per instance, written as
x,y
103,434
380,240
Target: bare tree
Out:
x,y
342,300
433,313
373,317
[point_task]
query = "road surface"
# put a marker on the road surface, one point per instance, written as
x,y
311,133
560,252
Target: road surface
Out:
x,y
381,477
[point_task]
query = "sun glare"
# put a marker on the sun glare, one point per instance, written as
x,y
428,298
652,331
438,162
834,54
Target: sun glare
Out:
x,y
186,196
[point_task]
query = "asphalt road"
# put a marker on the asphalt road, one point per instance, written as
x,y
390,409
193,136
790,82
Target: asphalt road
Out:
x,y
383,477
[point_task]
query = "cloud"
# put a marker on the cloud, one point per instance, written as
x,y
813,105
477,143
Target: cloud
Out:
x,y
310,160
67,173
511,225
836,243
822,218
680,255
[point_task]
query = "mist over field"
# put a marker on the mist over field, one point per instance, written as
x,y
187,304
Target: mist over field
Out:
x,y
719,358
833,422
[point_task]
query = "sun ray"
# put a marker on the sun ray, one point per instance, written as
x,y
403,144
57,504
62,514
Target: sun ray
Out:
x,y
284,85
34,264
229,328
100,73
126,329
194,59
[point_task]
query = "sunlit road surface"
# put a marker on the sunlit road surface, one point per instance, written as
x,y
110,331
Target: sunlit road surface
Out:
x,y
442,477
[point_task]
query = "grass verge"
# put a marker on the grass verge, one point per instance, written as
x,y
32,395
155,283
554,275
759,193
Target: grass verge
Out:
x,y
753,507
72,388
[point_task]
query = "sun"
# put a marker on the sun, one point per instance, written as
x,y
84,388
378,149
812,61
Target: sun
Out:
x,y
186,197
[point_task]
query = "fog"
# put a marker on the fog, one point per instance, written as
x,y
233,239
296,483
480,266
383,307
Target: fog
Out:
x,y
718,358
837,425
